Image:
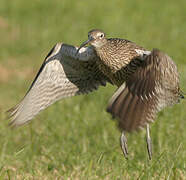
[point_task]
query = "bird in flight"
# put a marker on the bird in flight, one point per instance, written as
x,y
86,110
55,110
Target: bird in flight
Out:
x,y
147,82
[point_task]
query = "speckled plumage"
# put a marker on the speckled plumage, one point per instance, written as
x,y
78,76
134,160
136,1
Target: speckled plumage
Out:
x,y
61,75
115,55
147,81
151,79
153,86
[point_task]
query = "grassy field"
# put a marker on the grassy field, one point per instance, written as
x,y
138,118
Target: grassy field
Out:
x,y
76,138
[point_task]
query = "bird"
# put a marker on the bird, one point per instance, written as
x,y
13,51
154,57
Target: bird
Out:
x,y
146,81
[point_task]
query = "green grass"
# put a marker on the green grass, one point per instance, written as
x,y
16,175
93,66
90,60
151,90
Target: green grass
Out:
x,y
76,138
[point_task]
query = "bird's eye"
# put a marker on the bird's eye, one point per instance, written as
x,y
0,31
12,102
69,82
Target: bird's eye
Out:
x,y
102,35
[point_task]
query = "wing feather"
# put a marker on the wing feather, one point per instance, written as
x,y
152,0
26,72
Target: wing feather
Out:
x,y
61,75
153,86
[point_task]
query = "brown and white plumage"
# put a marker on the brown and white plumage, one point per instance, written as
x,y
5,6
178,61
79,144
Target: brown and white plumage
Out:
x,y
147,81
61,75
153,86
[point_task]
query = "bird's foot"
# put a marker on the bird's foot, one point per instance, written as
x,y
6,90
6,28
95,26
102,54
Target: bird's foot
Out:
x,y
149,143
123,142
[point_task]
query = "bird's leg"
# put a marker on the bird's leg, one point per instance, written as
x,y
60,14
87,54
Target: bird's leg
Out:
x,y
149,143
123,142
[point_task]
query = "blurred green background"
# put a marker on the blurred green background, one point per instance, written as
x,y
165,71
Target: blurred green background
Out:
x,y
76,138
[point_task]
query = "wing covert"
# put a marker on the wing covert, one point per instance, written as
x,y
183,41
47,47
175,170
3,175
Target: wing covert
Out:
x,y
62,74
153,86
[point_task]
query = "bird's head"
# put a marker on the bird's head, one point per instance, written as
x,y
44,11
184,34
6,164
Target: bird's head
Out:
x,y
96,38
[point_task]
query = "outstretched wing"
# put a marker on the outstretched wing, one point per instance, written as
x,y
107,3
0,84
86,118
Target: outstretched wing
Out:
x,y
63,73
153,86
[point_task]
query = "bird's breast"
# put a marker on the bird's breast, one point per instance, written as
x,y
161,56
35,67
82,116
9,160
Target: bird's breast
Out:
x,y
115,65
116,75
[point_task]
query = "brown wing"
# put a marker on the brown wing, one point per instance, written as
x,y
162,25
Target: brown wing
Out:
x,y
62,74
153,86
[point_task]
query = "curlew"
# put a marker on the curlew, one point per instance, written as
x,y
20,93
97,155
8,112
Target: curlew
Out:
x,y
147,82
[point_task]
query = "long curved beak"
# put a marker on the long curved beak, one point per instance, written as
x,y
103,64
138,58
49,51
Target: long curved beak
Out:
x,y
84,44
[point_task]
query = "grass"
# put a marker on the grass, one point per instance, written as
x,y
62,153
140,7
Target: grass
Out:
x,y
76,138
